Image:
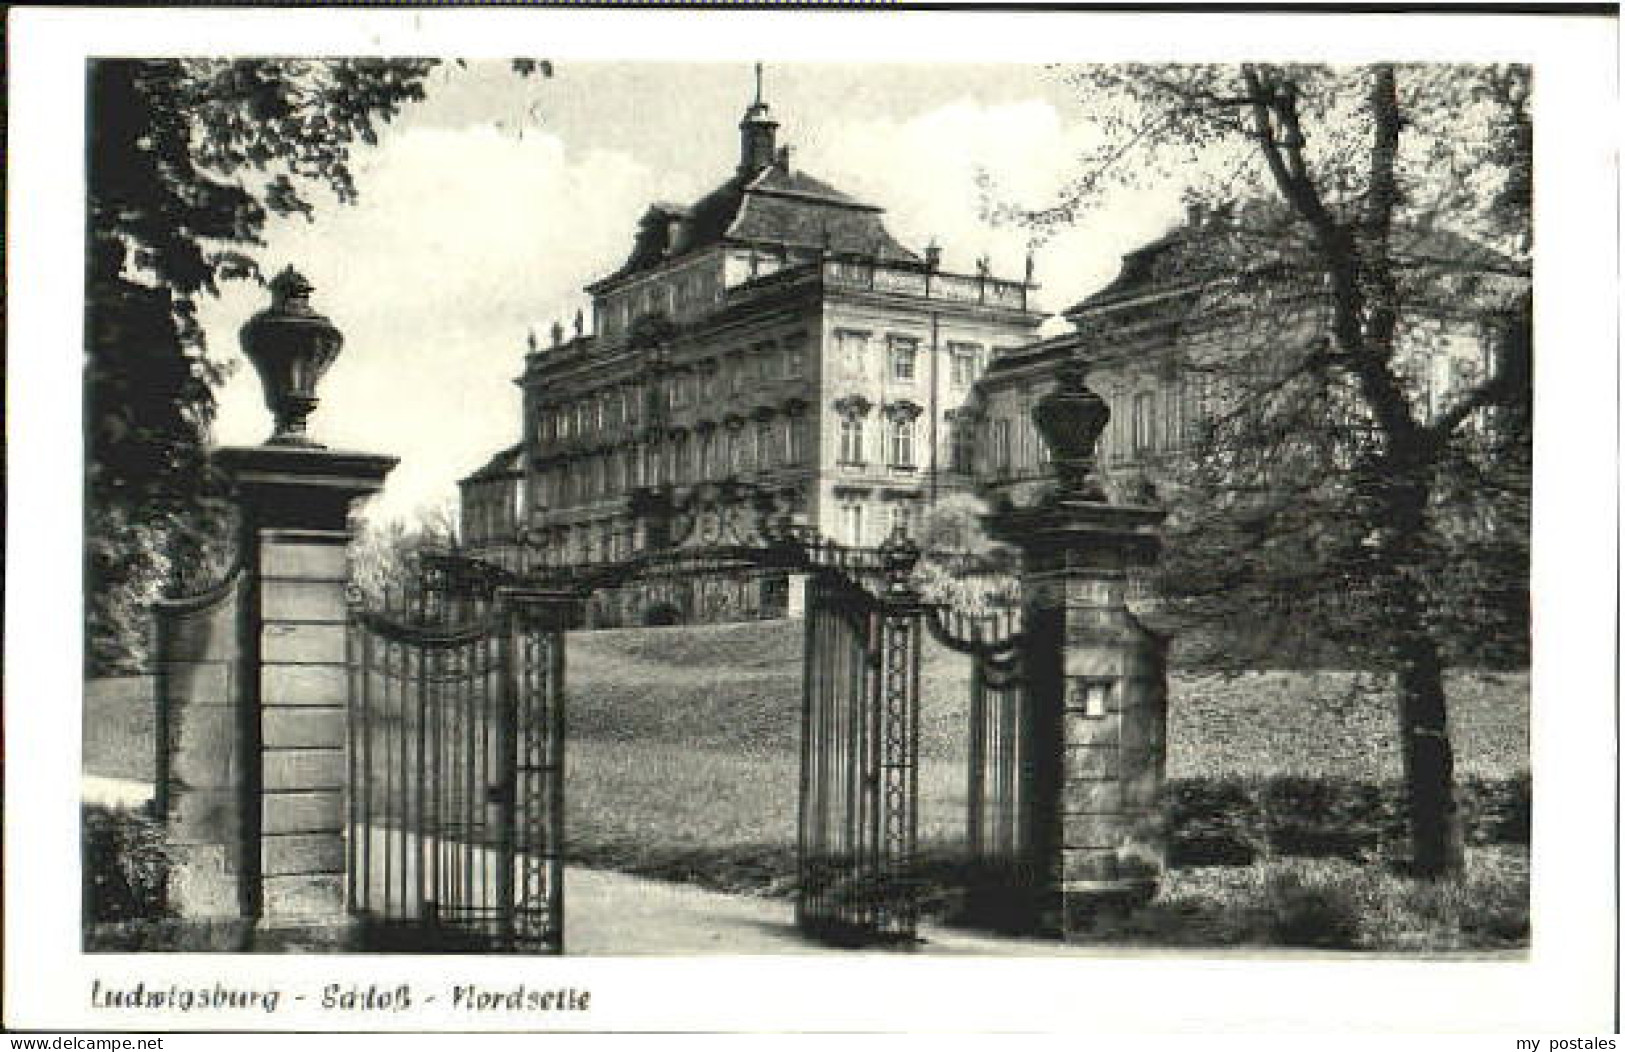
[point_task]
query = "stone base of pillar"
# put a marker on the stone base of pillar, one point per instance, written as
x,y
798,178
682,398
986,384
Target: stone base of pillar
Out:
x,y
1082,906
317,934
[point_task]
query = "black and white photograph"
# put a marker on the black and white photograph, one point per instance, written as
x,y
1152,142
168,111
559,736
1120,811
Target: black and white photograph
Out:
x,y
594,497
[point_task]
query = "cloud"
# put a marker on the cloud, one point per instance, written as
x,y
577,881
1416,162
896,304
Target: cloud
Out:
x,y
925,171
462,241
469,234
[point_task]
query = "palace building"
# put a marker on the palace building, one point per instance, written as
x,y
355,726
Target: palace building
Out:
x,y
772,332
1220,295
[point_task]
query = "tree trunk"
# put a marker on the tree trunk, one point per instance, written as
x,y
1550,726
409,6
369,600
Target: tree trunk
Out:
x,y
1435,826
1424,725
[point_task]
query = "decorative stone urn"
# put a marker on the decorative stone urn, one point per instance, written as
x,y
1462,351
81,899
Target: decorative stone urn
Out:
x,y
1070,420
291,346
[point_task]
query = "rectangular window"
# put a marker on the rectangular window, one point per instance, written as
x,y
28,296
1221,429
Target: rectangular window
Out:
x,y
1173,403
1001,444
852,527
964,363
764,444
792,455
902,444
963,456
854,348
1145,422
903,354
767,362
851,451
902,518
795,357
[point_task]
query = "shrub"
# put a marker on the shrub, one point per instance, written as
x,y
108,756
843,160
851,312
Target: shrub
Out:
x,y
1233,821
1212,822
126,865
1312,909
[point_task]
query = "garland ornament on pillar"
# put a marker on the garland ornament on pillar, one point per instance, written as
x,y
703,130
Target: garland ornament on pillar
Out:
x,y
291,346
1070,420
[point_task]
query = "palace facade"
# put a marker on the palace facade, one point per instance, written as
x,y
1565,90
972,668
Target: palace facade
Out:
x,y
1194,313
773,332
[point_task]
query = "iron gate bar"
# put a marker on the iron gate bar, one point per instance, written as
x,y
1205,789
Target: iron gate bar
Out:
x,y
439,714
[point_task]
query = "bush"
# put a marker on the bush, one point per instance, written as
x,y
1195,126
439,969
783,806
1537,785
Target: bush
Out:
x,y
1233,821
1307,910
126,865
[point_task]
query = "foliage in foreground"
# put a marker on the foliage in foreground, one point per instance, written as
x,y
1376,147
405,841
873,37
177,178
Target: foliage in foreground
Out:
x,y
126,865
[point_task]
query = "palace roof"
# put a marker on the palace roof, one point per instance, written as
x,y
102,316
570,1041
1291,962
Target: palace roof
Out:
x,y
505,464
765,204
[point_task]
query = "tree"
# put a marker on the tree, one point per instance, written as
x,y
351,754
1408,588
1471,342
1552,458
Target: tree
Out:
x,y
187,159
1329,479
384,558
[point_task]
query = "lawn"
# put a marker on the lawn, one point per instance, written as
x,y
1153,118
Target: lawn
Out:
x,y
737,689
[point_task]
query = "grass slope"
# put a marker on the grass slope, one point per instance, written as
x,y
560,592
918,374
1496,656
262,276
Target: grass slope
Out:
x,y
737,689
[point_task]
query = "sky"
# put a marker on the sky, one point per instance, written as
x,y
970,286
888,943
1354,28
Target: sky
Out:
x,y
484,210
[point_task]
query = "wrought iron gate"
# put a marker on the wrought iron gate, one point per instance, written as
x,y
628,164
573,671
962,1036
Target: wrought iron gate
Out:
x,y
859,776
1000,874
456,774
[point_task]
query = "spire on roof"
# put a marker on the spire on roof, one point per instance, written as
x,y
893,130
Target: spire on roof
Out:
x,y
756,133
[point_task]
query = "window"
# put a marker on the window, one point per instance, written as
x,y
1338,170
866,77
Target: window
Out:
x,y
853,348
902,443
792,440
708,380
795,357
764,444
852,524
767,366
736,373
851,451
902,518
962,451
1144,421
680,467
965,363
1001,444
1173,404
903,353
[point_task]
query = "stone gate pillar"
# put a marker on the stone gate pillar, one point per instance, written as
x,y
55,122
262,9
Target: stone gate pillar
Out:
x,y
255,775
1095,722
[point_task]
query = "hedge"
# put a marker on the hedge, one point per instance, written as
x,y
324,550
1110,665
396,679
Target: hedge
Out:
x,y
1234,820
